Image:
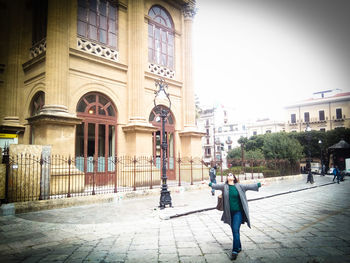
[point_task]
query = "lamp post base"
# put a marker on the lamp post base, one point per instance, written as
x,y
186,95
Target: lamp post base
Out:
x,y
165,199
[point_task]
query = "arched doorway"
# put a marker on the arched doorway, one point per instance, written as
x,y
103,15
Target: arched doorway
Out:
x,y
155,119
96,143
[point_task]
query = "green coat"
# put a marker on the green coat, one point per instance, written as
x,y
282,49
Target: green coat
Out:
x,y
241,188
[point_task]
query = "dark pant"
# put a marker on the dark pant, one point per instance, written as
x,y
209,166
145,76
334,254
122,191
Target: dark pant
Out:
x,y
236,217
213,181
310,178
336,176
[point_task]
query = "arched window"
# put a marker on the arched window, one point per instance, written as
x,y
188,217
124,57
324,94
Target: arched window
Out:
x,y
97,20
37,104
95,105
160,37
155,119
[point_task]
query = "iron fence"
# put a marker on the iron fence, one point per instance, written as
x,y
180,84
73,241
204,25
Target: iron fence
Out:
x,y
269,168
31,177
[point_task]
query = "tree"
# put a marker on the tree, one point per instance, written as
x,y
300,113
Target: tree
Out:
x,y
235,153
256,154
255,142
328,139
281,146
243,140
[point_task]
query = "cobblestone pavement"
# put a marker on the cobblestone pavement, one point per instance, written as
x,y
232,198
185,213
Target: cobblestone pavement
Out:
x,y
304,226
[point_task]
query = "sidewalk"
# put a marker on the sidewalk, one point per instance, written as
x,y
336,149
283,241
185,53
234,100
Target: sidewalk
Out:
x,y
305,226
32,206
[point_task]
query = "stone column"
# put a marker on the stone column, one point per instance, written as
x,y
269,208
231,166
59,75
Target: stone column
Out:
x,y
13,70
57,55
54,125
190,136
136,61
138,131
189,12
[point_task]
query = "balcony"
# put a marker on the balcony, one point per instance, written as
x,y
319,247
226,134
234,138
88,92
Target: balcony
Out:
x,y
339,119
292,123
313,121
97,49
161,70
38,48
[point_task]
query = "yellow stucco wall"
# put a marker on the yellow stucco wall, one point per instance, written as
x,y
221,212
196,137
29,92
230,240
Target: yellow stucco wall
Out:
x,y
90,73
328,105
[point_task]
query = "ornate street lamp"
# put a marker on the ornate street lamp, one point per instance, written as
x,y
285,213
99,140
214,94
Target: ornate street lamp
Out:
x,y
162,98
322,170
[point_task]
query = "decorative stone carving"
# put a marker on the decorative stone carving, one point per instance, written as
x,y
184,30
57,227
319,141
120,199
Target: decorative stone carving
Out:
x,y
189,11
97,49
38,48
161,71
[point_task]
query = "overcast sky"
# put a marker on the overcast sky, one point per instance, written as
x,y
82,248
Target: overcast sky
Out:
x,y
257,56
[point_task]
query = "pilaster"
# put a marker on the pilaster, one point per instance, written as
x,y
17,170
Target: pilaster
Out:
x,y
54,125
189,12
136,62
13,71
190,136
57,53
138,131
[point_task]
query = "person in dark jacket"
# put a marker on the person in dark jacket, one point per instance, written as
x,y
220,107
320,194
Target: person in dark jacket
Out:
x,y
310,178
336,174
236,211
212,176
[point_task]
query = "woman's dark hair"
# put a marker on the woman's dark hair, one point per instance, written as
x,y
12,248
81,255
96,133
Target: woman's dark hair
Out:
x,y
235,179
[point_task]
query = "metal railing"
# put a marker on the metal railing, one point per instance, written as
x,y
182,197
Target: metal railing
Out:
x,y
269,168
30,177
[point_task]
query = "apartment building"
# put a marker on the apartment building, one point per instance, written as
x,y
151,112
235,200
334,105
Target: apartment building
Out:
x,y
263,126
322,114
221,132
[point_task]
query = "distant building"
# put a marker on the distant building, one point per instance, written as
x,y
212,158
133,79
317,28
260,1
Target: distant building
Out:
x,y
323,114
263,126
222,130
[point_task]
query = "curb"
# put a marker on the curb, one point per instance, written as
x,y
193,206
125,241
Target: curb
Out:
x,y
38,205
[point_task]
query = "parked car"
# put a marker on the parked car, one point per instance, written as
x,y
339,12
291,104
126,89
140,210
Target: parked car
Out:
x,y
315,168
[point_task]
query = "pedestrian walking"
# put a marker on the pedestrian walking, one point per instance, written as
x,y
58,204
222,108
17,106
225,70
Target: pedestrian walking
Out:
x,y
235,210
310,178
336,174
212,176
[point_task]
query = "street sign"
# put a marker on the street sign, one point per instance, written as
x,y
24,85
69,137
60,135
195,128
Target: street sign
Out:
x,y
8,135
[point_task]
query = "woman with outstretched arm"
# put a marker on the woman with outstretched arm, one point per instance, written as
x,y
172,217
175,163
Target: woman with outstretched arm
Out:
x,y
236,211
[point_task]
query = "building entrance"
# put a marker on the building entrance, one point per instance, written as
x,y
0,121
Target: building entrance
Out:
x,y
95,147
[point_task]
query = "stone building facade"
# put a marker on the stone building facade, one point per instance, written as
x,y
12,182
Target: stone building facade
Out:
x,y
80,75
263,126
322,114
221,132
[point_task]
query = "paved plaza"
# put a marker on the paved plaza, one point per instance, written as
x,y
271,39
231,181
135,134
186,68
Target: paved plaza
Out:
x,y
311,225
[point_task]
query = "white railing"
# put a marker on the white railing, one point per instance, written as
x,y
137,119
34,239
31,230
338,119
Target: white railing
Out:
x,y
38,48
161,70
97,49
